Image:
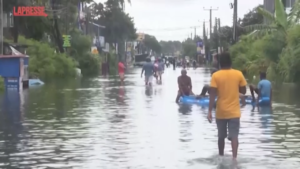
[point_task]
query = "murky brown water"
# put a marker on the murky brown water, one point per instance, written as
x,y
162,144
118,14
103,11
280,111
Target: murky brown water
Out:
x,y
96,123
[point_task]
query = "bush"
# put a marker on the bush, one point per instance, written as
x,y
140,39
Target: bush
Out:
x,y
89,63
113,63
252,55
45,62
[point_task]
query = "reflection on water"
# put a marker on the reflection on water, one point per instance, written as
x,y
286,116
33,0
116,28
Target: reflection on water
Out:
x,y
185,108
99,123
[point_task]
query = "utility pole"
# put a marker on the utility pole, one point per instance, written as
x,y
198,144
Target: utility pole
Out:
x,y
1,27
234,21
195,30
219,31
210,18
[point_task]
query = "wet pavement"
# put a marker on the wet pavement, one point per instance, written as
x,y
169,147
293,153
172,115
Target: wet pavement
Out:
x,y
98,123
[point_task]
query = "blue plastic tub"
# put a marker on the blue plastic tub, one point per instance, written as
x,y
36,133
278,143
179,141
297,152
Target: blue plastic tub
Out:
x,y
205,100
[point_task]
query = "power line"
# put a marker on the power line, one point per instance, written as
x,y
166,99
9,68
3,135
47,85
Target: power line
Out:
x,y
168,29
210,18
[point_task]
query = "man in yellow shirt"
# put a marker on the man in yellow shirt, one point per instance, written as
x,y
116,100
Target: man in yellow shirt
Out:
x,y
227,84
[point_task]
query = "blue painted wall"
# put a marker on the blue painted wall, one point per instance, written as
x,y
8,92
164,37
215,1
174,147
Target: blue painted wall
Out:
x,y
10,67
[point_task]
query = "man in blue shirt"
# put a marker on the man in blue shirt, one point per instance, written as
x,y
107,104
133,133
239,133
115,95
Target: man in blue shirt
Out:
x,y
148,68
263,89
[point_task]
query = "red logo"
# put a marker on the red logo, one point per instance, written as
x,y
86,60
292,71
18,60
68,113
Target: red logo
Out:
x,y
30,11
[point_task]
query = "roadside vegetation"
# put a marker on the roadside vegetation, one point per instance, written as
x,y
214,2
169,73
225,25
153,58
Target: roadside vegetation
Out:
x,y
44,35
272,47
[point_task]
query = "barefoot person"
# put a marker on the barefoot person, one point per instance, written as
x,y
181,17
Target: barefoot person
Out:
x,y
121,68
263,89
148,68
184,85
227,84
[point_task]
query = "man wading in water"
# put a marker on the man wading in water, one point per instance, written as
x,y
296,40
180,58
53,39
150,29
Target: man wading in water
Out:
x,y
227,84
148,68
184,85
263,89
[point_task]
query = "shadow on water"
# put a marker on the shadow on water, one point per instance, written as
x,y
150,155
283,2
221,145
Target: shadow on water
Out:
x,y
100,123
185,109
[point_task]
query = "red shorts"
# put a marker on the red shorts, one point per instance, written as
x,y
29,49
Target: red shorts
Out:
x,y
121,74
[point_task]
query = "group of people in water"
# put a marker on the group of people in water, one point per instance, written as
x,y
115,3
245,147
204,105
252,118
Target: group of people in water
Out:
x,y
156,70
228,85
151,70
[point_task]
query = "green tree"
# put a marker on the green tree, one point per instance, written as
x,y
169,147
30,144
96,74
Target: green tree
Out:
x,y
171,47
151,43
252,17
189,48
119,26
62,19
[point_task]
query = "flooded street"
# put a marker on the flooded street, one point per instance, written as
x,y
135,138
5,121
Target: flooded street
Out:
x,y
99,124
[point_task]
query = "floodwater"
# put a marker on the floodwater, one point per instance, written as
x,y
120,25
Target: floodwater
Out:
x,y
99,124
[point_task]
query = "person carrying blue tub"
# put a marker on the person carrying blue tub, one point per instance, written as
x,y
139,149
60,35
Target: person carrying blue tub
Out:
x,y
263,89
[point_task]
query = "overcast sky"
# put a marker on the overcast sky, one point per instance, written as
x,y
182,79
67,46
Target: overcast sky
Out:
x,y
174,19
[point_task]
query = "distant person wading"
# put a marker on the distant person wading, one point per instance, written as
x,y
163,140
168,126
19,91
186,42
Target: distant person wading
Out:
x,y
148,68
121,68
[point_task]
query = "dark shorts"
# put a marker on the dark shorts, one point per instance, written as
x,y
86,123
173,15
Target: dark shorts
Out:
x,y
233,126
184,93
